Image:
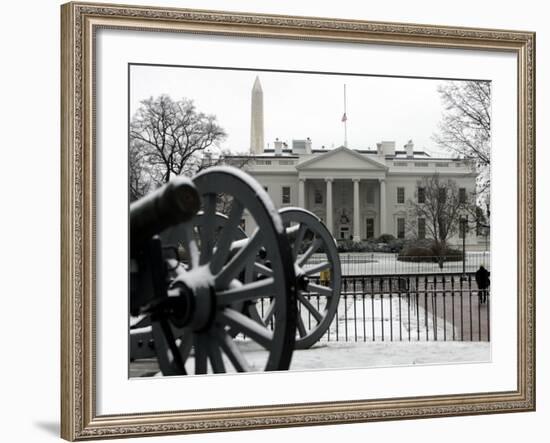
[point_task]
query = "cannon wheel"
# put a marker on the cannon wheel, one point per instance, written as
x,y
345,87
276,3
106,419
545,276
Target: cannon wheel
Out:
x,y
317,301
211,278
174,237
141,334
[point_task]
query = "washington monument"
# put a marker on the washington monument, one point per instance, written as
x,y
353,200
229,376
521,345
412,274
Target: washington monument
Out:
x,y
257,119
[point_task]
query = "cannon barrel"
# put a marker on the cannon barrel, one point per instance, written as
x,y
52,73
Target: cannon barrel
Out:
x,y
175,202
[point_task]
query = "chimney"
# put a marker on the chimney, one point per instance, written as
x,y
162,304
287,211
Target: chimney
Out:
x,y
409,149
278,147
385,148
308,146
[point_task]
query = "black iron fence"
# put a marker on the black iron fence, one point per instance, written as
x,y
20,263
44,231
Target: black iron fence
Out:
x,y
414,307
376,263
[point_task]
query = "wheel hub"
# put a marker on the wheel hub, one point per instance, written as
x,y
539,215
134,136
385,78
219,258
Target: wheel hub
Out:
x,y
302,282
197,286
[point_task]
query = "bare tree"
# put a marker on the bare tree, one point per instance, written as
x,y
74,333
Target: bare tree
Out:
x,y
139,174
169,138
442,206
465,128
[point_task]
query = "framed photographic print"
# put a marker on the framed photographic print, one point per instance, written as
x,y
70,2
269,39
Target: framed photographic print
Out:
x,y
279,221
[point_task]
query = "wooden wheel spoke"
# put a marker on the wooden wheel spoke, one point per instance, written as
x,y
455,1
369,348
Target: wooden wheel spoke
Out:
x,y
215,355
301,327
262,269
241,323
255,315
239,260
191,245
201,353
208,228
228,233
298,240
318,268
309,252
316,314
184,341
322,290
167,351
232,351
248,292
269,313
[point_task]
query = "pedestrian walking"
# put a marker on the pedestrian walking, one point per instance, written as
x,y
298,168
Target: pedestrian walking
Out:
x,y
483,282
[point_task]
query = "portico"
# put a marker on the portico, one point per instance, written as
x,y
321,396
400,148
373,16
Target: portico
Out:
x,y
344,204
330,184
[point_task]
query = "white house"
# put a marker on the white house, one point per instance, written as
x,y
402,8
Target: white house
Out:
x,y
359,194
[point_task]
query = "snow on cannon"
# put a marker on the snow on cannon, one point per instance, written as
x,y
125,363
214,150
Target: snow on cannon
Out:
x,y
189,267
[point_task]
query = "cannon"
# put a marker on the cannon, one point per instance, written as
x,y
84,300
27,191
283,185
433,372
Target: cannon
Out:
x,y
197,280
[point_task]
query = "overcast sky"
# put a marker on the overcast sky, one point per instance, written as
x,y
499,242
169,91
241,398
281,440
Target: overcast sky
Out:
x,y
298,105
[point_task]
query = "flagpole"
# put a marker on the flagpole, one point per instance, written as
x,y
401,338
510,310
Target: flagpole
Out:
x,y
345,120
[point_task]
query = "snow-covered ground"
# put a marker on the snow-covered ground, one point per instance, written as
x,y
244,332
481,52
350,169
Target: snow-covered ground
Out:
x,y
375,263
333,355
386,354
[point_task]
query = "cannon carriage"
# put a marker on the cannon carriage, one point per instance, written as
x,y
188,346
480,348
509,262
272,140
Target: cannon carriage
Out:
x,y
205,297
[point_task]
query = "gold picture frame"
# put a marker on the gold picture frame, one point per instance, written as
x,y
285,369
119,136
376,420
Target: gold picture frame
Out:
x,y
80,21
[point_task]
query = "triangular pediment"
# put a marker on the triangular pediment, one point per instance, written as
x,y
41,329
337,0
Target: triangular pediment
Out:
x,y
341,158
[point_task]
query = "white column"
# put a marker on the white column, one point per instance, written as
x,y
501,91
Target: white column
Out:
x,y
329,205
356,211
301,193
383,227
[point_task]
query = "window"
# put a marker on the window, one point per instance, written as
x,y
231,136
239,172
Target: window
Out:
x,y
421,228
401,195
421,195
462,195
400,228
442,195
318,197
370,195
463,227
286,195
370,228
344,233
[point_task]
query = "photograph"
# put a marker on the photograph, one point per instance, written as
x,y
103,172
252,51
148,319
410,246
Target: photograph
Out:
x,y
272,220
301,220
